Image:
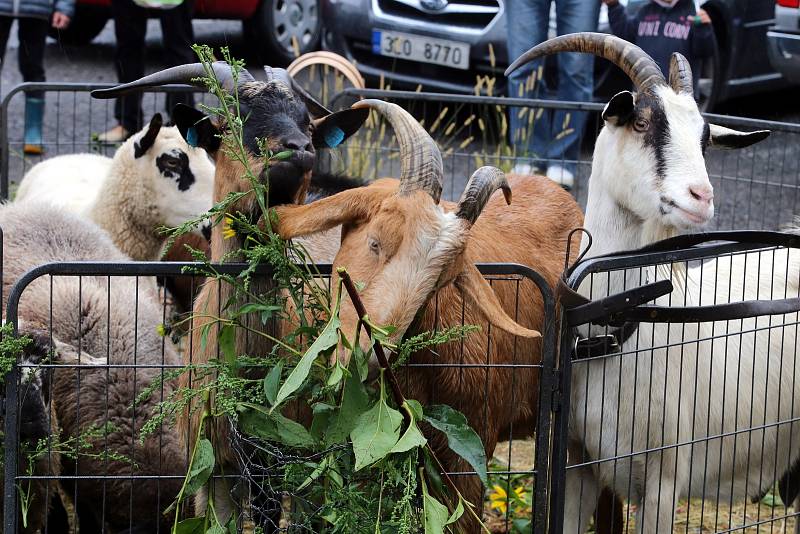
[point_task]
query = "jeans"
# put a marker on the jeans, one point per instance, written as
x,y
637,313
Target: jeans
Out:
x,y
32,33
130,27
549,136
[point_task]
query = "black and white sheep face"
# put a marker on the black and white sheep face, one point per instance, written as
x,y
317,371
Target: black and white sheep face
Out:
x,y
181,176
653,157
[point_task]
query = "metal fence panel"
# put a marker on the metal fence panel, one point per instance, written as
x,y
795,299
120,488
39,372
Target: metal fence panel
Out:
x,y
143,491
693,421
755,188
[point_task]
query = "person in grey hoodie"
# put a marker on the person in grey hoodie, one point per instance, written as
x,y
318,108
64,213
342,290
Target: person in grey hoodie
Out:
x,y
34,19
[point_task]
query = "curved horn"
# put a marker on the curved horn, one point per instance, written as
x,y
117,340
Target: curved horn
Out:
x,y
187,74
482,184
420,159
639,67
680,74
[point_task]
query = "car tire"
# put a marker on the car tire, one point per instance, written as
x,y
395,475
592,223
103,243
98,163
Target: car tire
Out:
x,y
87,24
277,23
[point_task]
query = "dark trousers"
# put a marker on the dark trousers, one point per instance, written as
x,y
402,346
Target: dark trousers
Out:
x,y
130,26
32,34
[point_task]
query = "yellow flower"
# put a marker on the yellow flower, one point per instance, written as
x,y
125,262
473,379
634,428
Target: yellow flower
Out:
x,y
520,491
499,499
227,228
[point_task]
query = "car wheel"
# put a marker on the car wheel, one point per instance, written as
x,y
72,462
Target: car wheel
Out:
x,y
284,29
87,24
709,80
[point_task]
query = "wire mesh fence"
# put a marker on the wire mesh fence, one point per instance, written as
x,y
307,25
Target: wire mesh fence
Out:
x,y
754,188
691,418
81,396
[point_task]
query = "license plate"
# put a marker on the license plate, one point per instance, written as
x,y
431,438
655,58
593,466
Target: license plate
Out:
x,y
421,48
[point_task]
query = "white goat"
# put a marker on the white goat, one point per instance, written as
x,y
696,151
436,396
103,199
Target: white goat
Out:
x,y
649,182
155,179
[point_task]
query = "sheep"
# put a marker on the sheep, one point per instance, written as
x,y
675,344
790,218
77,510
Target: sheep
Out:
x,y
155,179
280,113
649,182
116,318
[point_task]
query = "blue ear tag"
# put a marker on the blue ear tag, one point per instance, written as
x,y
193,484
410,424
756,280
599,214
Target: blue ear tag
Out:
x,y
191,136
334,137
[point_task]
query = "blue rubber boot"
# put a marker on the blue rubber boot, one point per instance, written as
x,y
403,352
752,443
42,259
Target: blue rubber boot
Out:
x,y
34,112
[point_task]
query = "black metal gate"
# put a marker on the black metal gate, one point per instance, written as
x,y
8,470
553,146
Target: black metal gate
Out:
x,y
528,470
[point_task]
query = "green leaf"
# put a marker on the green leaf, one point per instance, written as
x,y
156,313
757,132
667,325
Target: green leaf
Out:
x,y
202,466
315,474
375,433
271,382
285,154
336,376
416,409
460,437
193,525
216,529
321,419
355,402
227,342
457,513
327,339
772,500
434,513
412,437
256,421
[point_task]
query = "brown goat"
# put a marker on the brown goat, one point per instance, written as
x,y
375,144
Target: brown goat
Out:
x,y
411,252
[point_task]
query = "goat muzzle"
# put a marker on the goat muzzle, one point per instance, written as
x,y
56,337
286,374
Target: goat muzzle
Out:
x,y
635,62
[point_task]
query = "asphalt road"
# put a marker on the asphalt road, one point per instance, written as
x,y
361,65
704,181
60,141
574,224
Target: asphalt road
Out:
x,y
757,187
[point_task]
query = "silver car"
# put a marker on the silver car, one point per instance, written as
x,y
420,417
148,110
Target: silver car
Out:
x,y
784,40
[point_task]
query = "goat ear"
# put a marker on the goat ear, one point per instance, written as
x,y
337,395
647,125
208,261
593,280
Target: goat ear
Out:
x,y
196,128
722,137
147,141
346,207
333,130
619,109
479,294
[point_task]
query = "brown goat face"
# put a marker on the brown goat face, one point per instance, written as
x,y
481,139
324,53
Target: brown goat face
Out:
x,y
406,249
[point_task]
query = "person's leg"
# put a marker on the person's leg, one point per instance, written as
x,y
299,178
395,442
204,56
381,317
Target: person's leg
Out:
x,y
527,26
32,36
176,27
130,27
575,83
5,30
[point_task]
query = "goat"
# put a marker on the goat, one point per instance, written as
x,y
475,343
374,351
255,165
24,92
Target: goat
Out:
x,y
280,113
649,182
94,315
155,179
409,250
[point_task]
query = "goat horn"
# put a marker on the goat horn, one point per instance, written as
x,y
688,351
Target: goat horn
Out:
x,y
634,61
420,159
482,184
188,74
680,74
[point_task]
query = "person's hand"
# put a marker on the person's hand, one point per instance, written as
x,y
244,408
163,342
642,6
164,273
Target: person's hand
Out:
x,y
703,15
60,20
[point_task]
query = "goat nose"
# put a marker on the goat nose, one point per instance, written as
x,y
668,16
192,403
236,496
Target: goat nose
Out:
x,y
702,193
296,143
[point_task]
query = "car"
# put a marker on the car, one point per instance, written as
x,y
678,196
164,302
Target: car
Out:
x,y
784,40
452,41
274,26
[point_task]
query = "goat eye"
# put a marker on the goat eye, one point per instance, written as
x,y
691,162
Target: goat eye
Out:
x,y
374,246
641,125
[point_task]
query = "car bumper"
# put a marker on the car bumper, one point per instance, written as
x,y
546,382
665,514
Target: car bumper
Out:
x,y
784,53
355,20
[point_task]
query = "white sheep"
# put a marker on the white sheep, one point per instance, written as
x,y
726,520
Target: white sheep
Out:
x,y
155,179
649,182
